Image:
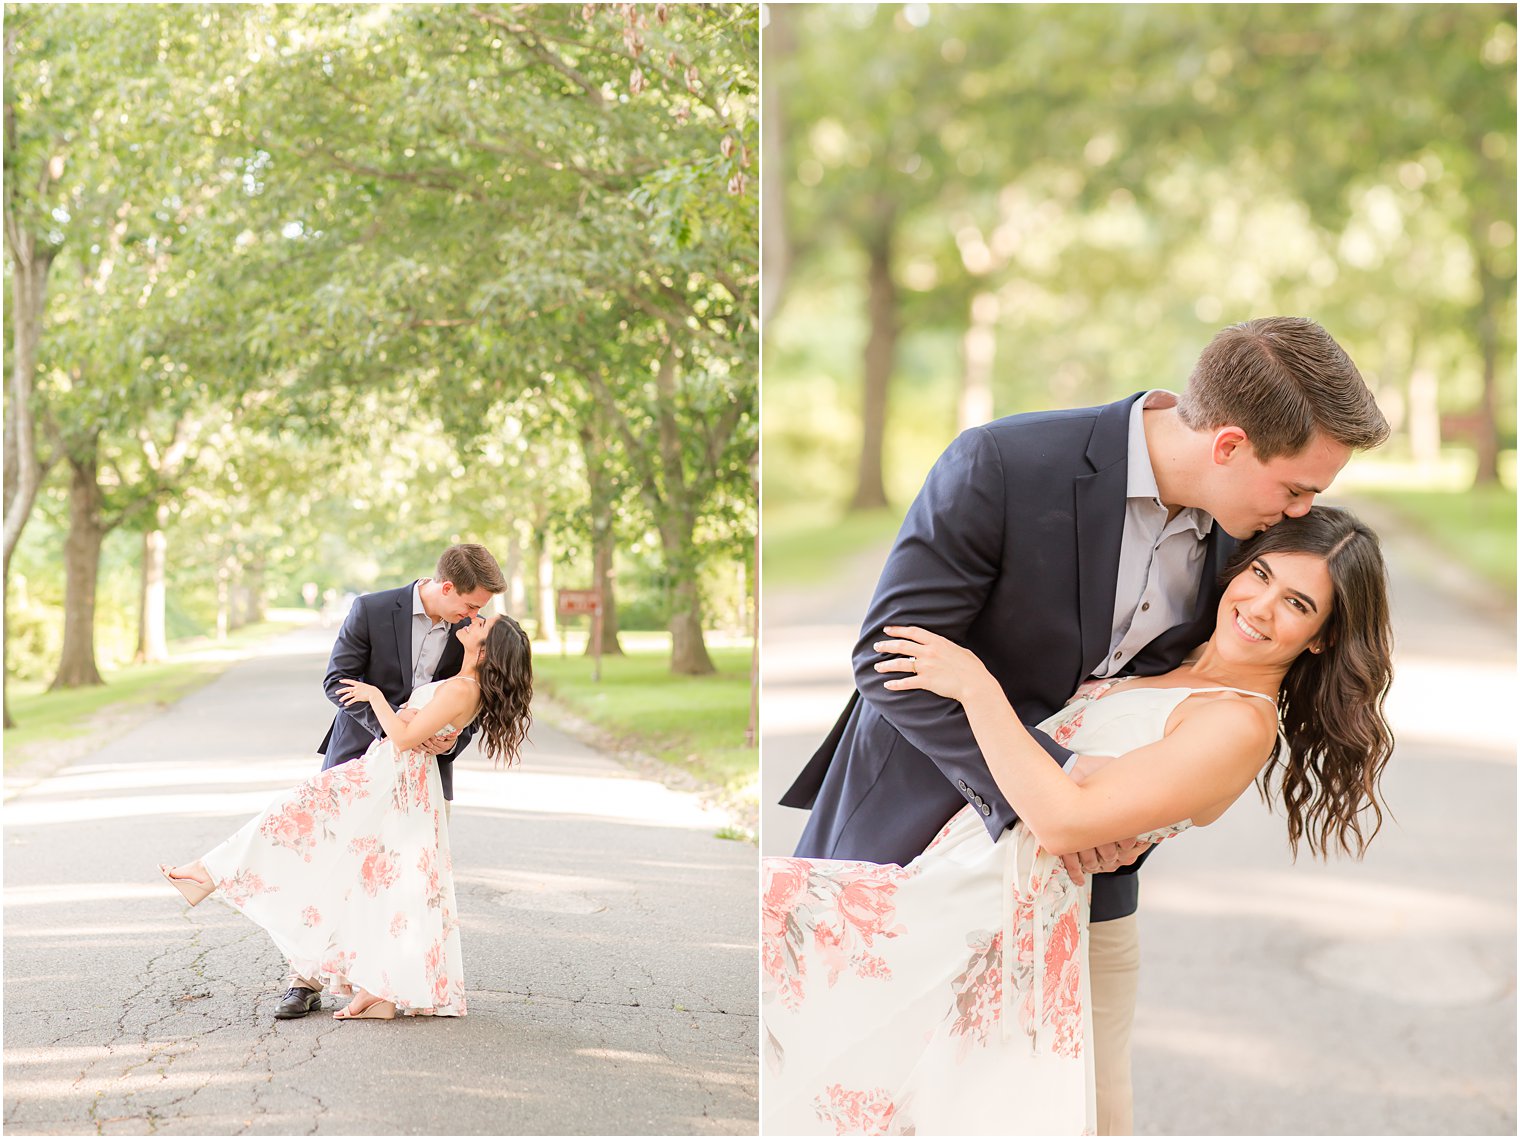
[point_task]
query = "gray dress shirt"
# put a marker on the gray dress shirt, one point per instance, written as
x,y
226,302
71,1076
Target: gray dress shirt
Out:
x,y
1160,558
428,639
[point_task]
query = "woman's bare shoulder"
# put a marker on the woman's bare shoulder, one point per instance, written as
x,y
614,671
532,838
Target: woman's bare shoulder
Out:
x,y
459,692
1242,723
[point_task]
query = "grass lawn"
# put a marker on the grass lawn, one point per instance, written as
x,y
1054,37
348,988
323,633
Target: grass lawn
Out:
x,y
1473,526
43,716
695,723
803,548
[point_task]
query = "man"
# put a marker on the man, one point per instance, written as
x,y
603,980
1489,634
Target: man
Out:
x,y
1064,545
398,639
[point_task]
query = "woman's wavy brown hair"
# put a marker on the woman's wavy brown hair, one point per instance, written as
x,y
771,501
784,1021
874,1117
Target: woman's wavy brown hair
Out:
x,y
1331,702
506,690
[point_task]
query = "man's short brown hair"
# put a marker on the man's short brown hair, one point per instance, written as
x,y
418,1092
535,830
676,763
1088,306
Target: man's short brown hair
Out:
x,y
470,567
1280,379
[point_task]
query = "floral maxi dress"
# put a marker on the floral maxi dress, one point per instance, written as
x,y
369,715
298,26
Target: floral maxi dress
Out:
x,y
948,996
350,874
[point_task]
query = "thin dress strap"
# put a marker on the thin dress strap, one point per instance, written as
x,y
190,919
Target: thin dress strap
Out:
x,y
1243,691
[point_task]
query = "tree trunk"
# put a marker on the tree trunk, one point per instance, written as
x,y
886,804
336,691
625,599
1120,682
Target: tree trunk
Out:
x,y
81,568
603,545
224,586
978,349
1424,414
152,637
676,521
548,621
776,252
1486,434
253,591
23,471
880,354
517,589
688,650
603,540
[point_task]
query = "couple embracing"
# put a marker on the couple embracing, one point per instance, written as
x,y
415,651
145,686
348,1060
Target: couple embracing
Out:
x,y
350,871
1096,628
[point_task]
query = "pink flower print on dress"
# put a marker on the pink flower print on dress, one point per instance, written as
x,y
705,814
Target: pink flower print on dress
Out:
x,y
417,779
831,949
293,828
311,917
350,781
785,882
843,908
398,924
866,903
337,963
860,1112
1068,727
780,951
1063,976
433,963
978,991
380,869
238,889
433,882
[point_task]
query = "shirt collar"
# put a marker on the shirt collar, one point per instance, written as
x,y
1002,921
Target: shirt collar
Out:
x,y
1141,478
417,609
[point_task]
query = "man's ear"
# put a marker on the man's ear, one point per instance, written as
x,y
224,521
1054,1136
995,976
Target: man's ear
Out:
x,y
446,587
1228,442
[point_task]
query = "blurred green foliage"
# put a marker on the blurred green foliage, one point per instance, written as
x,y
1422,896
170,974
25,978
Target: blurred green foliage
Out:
x,y
1071,199
328,287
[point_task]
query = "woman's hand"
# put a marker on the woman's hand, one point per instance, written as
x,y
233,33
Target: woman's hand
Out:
x,y
356,692
932,662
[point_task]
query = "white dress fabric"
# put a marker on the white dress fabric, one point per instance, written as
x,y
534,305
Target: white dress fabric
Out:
x,y
350,874
887,990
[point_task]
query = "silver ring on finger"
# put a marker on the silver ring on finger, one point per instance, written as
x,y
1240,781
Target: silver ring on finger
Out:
x,y
913,664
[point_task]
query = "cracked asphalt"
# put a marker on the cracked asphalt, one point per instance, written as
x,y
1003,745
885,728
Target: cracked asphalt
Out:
x,y
608,938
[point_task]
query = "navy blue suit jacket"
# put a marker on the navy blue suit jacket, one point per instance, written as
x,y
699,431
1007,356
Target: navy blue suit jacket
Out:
x,y
375,646
1011,549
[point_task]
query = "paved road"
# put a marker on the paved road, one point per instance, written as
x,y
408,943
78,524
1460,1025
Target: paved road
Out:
x,y
608,941
1318,998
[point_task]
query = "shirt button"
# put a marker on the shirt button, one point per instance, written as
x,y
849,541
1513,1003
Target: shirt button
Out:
x,y
1118,654
1144,606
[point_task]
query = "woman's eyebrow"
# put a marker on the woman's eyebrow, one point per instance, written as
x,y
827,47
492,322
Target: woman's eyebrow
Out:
x,y
1298,593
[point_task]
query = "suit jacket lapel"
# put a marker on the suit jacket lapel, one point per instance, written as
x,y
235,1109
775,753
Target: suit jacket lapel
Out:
x,y
401,621
1100,500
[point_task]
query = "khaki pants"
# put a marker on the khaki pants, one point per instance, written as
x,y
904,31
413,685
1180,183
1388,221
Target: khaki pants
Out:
x,y
1113,961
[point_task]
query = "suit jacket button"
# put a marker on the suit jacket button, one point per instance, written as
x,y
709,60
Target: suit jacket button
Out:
x,y
961,783
986,810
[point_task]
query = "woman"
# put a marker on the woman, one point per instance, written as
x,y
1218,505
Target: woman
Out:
x,y
350,872
949,996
